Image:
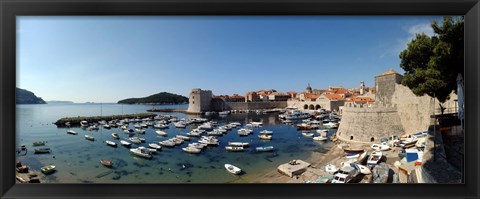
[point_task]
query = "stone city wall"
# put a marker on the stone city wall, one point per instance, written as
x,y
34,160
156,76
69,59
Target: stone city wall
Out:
x,y
369,124
218,105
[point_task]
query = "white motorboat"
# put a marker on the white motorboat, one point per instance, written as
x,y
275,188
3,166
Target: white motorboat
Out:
x,y
194,134
167,143
115,135
319,138
125,143
192,150
234,148
352,155
363,169
89,137
244,132
110,143
182,137
154,146
322,132
374,158
83,123
140,131
160,126
345,174
265,137
331,125
307,134
296,115
180,124
380,147
142,152
161,133
330,168
242,144
72,132
135,140
266,132
197,145
232,169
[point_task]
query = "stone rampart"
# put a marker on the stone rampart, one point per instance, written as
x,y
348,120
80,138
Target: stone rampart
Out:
x,y
369,124
218,105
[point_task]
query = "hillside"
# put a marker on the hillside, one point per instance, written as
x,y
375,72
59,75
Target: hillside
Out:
x,y
26,97
159,98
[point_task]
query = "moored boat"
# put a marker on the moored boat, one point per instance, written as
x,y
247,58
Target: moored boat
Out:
x,y
41,150
111,143
125,143
89,137
242,144
154,146
264,148
374,158
266,132
106,163
115,135
72,132
141,152
192,149
39,143
234,148
48,169
135,140
232,169
265,137
319,138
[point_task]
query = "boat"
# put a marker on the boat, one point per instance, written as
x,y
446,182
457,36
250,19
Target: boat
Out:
x,y
89,137
421,143
83,123
232,169
215,133
264,148
41,150
330,168
180,124
322,132
106,163
125,143
307,134
141,152
39,143
135,140
234,148
167,143
93,127
183,137
362,157
374,158
380,147
352,155
363,169
197,145
72,132
409,142
353,150
192,150
160,126
194,134
154,146
177,141
244,132
242,144
140,131
110,143
265,137
224,112
206,126
48,169
266,132
319,138
161,133
296,115
345,174
331,125
115,135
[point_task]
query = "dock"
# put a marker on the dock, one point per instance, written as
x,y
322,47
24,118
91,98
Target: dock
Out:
x,y
294,167
75,121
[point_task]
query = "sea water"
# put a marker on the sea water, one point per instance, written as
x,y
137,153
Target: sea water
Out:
x,y
77,160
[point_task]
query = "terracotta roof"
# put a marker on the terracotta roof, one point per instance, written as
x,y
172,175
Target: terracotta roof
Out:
x,y
389,72
333,96
361,100
310,96
341,91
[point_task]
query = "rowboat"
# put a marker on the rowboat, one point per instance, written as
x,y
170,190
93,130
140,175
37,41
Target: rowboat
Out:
x,y
374,158
89,137
48,169
115,135
232,169
106,163
242,144
110,143
265,137
72,132
234,148
352,155
42,150
39,143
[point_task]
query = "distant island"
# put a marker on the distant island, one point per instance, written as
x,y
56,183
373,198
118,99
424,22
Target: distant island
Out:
x,y
159,98
59,102
26,97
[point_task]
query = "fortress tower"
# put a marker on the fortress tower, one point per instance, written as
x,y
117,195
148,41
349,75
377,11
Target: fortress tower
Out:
x,y
385,86
199,101
362,88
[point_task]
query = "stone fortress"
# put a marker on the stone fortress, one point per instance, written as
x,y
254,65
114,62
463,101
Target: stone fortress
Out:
x,y
396,111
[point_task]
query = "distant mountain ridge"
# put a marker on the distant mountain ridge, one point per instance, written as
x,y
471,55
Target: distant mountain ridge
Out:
x,y
59,102
159,98
27,97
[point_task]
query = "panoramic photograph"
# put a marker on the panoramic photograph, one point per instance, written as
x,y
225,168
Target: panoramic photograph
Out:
x,y
240,99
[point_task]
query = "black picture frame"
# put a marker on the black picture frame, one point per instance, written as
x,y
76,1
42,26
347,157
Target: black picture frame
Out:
x,y
9,9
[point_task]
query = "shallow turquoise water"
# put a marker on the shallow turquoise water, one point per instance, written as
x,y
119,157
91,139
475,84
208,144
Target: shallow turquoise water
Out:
x,y
78,160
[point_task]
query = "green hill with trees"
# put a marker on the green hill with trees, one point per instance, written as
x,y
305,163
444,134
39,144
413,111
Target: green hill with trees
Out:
x,y
26,97
159,98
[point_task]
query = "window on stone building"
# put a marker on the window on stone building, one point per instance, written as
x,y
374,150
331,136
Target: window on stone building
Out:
x,y
193,102
351,137
372,139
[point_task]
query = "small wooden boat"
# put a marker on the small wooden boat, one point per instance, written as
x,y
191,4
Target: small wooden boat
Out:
x,y
265,137
264,149
115,135
39,143
374,158
232,169
48,169
234,148
72,132
352,155
111,143
363,169
41,150
353,150
106,163
89,137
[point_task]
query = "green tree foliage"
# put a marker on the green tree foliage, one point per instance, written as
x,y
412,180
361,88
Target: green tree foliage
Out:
x,y
432,64
159,98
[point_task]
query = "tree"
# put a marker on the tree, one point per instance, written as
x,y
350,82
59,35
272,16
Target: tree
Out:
x,y
432,64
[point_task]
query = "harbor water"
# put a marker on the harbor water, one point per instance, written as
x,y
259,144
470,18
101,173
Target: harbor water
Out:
x,y
77,160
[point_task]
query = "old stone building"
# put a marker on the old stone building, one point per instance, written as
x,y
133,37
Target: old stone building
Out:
x,y
199,100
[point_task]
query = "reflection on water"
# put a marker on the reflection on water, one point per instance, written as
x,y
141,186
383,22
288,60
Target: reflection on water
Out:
x,y
78,160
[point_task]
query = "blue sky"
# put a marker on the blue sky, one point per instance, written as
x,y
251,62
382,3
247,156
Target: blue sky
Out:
x,y
106,59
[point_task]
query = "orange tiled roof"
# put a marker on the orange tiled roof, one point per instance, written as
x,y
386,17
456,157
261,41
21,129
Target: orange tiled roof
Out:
x,y
333,96
310,96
